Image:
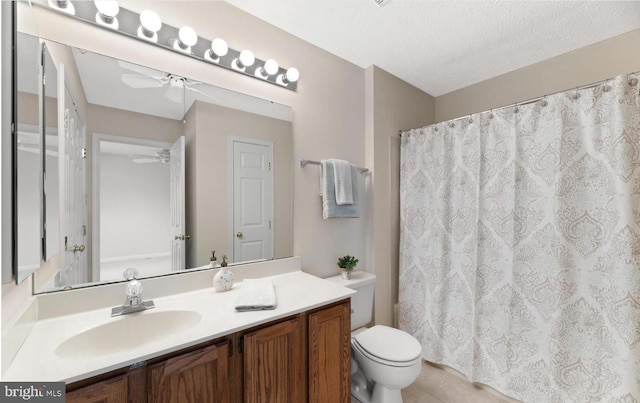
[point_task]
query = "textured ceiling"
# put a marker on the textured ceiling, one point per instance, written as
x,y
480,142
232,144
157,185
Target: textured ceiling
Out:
x,y
441,46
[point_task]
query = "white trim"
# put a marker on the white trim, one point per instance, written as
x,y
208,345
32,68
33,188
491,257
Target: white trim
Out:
x,y
95,186
231,140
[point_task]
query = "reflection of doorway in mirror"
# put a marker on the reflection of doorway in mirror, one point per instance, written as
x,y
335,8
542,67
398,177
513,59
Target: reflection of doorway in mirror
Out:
x,y
134,206
251,199
72,188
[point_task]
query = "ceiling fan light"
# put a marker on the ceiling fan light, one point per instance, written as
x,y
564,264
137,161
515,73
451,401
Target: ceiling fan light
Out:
x,y
107,11
150,24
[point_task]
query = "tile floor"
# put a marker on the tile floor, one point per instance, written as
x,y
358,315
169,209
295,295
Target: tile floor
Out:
x,y
438,385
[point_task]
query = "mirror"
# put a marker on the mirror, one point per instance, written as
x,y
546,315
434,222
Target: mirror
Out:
x,y
150,170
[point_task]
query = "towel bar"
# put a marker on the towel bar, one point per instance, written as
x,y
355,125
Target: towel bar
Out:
x,y
304,163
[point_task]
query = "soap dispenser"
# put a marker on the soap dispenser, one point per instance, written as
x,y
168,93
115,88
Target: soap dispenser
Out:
x,y
223,280
213,262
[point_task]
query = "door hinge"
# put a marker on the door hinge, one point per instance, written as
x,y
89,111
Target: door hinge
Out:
x,y
84,152
269,224
66,118
241,345
269,166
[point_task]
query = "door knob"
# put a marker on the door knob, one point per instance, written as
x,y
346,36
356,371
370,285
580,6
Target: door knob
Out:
x,y
239,234
74,248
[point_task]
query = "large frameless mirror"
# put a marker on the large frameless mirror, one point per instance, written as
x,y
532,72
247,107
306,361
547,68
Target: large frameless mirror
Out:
x,y
135,167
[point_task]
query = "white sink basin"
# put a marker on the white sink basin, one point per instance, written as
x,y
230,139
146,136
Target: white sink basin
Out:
x,y
127,332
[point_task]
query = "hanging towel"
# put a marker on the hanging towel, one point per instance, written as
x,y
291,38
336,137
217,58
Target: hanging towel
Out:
x,y
330,209
342,179
256,295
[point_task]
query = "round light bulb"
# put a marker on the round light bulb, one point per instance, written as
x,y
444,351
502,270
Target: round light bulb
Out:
x,y
219,47
187,36
271,67
293,75
150,21
107,8
247,58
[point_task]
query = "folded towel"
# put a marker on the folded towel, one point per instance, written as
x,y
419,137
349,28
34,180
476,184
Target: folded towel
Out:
x,y
342,180
256,295
330,209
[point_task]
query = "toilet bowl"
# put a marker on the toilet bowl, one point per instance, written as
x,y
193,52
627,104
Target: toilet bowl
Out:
x,y
384,360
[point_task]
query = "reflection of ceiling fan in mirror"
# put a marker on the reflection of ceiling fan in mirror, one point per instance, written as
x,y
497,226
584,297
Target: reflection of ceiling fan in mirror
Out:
x,y
150,78
162,156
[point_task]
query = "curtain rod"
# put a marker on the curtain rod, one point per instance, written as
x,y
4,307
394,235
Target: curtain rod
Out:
x,y
304,163
632,82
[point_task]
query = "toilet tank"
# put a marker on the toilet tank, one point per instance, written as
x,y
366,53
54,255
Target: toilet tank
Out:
x,y
362,301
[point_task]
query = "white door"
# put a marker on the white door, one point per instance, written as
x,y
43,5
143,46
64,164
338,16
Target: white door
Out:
x,y
177,205
252,203
72,186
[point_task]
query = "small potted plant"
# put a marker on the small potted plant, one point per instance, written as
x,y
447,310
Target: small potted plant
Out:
x,y
347,263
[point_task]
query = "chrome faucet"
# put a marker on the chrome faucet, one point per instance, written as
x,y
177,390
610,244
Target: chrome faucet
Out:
x,y
133,302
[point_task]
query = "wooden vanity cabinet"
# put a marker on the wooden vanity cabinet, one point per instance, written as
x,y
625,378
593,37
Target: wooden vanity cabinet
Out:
x,y
274,363
199,376
330,354
202,373
112,390
301,358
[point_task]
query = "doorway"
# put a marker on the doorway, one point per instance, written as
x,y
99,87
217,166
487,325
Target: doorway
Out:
x,y
251,201
138,199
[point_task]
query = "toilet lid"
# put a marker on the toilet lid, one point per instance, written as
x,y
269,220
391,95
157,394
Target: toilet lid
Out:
x,y
389,344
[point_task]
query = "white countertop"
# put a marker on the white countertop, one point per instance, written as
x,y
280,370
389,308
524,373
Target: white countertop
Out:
x,y
36,360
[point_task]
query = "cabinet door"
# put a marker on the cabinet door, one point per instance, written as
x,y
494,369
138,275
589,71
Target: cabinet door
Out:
x,y
330,354
110,391
275,364
202,376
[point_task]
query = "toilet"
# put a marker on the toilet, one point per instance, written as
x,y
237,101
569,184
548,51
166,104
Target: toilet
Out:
x,y
384,360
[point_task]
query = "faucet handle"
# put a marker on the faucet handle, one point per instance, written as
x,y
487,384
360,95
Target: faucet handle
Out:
x,y
130,273
134,288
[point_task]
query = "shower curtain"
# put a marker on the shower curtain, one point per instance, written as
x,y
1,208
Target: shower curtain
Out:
x,y
520,245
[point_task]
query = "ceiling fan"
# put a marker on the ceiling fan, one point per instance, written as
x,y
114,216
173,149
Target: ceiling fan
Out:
x,y
150,78
162,156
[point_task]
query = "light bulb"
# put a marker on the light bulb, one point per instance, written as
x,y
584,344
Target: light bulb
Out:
x,y
63,5
292,75
187,37
271,67
219,47
150,24
107,11
246,58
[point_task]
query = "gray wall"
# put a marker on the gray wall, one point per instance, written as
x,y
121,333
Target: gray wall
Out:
x,y
602,60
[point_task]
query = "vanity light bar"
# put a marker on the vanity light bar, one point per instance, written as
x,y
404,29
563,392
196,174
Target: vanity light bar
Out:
x,y
149,28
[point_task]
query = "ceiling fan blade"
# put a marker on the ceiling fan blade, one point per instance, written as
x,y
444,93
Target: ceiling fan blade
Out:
x,y
191,88
145,71
144,160
139,156
138,81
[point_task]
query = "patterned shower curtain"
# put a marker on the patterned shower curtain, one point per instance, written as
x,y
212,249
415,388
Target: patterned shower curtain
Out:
x,y
520,245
